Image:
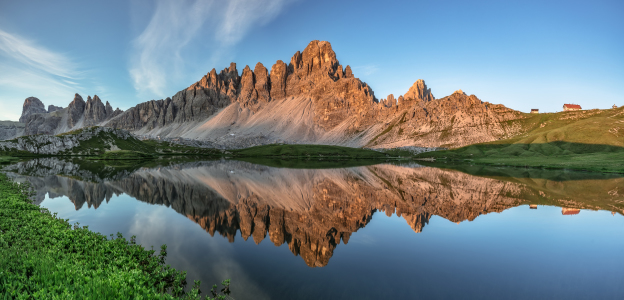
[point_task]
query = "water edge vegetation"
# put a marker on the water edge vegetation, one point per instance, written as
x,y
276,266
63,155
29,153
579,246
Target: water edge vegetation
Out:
x,y
42,256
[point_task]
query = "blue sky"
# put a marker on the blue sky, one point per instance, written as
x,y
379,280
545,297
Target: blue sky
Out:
x,y
523,54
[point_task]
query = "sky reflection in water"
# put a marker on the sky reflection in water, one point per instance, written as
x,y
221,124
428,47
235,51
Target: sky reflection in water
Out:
x,y
506,251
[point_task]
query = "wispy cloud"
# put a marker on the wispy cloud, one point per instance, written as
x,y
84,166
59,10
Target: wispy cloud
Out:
x,y
29,69
365,70
157,59
28,53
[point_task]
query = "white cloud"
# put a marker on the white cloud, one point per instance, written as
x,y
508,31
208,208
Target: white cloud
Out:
x,y
157,58
28,53
29,69
365,70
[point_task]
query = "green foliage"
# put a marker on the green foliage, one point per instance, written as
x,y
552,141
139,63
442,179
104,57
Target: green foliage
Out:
x,y
308,151
123,155
101,143
7,159
591,140
310,163
592,127
396,152
43,257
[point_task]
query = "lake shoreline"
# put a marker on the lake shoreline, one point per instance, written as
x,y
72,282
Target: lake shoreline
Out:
x,y
45,256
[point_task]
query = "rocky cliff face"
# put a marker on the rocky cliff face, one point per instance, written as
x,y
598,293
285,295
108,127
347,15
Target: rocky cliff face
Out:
x,y
75,111
56,144
419,92
314,99
455,120
55,120
41,124
32,105
53,108
315,74
10,130
311,99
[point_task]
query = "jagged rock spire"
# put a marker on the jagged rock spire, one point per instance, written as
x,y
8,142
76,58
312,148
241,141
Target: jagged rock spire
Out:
x,y
419,91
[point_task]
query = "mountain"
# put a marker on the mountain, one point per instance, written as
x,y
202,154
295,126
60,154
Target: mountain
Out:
x,y
36,119
32,105
312,99
588,140
313,210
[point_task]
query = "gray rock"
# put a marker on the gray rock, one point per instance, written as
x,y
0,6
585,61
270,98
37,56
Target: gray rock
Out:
x,y
53,145
75,111
10,130
95,111
53,108
41,124
32,105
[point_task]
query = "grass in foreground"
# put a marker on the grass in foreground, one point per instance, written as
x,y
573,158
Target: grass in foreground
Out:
x,y
43,257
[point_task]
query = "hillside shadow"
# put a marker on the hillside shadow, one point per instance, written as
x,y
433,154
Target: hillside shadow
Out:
x,y
554,155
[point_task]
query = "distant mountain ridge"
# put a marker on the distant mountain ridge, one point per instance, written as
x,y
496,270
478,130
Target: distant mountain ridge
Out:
x,y
312,99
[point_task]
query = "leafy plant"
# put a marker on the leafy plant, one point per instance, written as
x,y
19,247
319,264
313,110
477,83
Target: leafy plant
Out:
x,y
44,257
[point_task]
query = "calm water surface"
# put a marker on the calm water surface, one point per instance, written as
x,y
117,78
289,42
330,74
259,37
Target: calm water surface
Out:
x,y
372,232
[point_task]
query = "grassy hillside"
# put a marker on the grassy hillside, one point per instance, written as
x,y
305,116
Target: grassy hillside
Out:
x,y
582,140
593,127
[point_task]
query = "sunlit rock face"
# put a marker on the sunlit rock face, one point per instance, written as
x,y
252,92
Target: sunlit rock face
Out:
x,y
315,99
311,99
311,210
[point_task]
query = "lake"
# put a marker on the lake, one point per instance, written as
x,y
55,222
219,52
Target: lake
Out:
x,y
384,231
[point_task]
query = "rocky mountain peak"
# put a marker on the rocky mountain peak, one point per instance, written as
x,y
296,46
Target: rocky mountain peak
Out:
x,y
324,100
459,92
53,108
348,73
419,91
95,111
32,105
263,82
316,56
75,110
109,109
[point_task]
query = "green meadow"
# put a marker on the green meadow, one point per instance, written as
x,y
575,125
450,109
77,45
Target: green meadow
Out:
x,y
591,140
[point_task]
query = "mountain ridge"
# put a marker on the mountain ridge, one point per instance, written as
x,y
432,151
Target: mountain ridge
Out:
x,y
312,99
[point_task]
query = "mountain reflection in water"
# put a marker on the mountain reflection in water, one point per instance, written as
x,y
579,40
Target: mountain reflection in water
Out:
x,y
312,210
